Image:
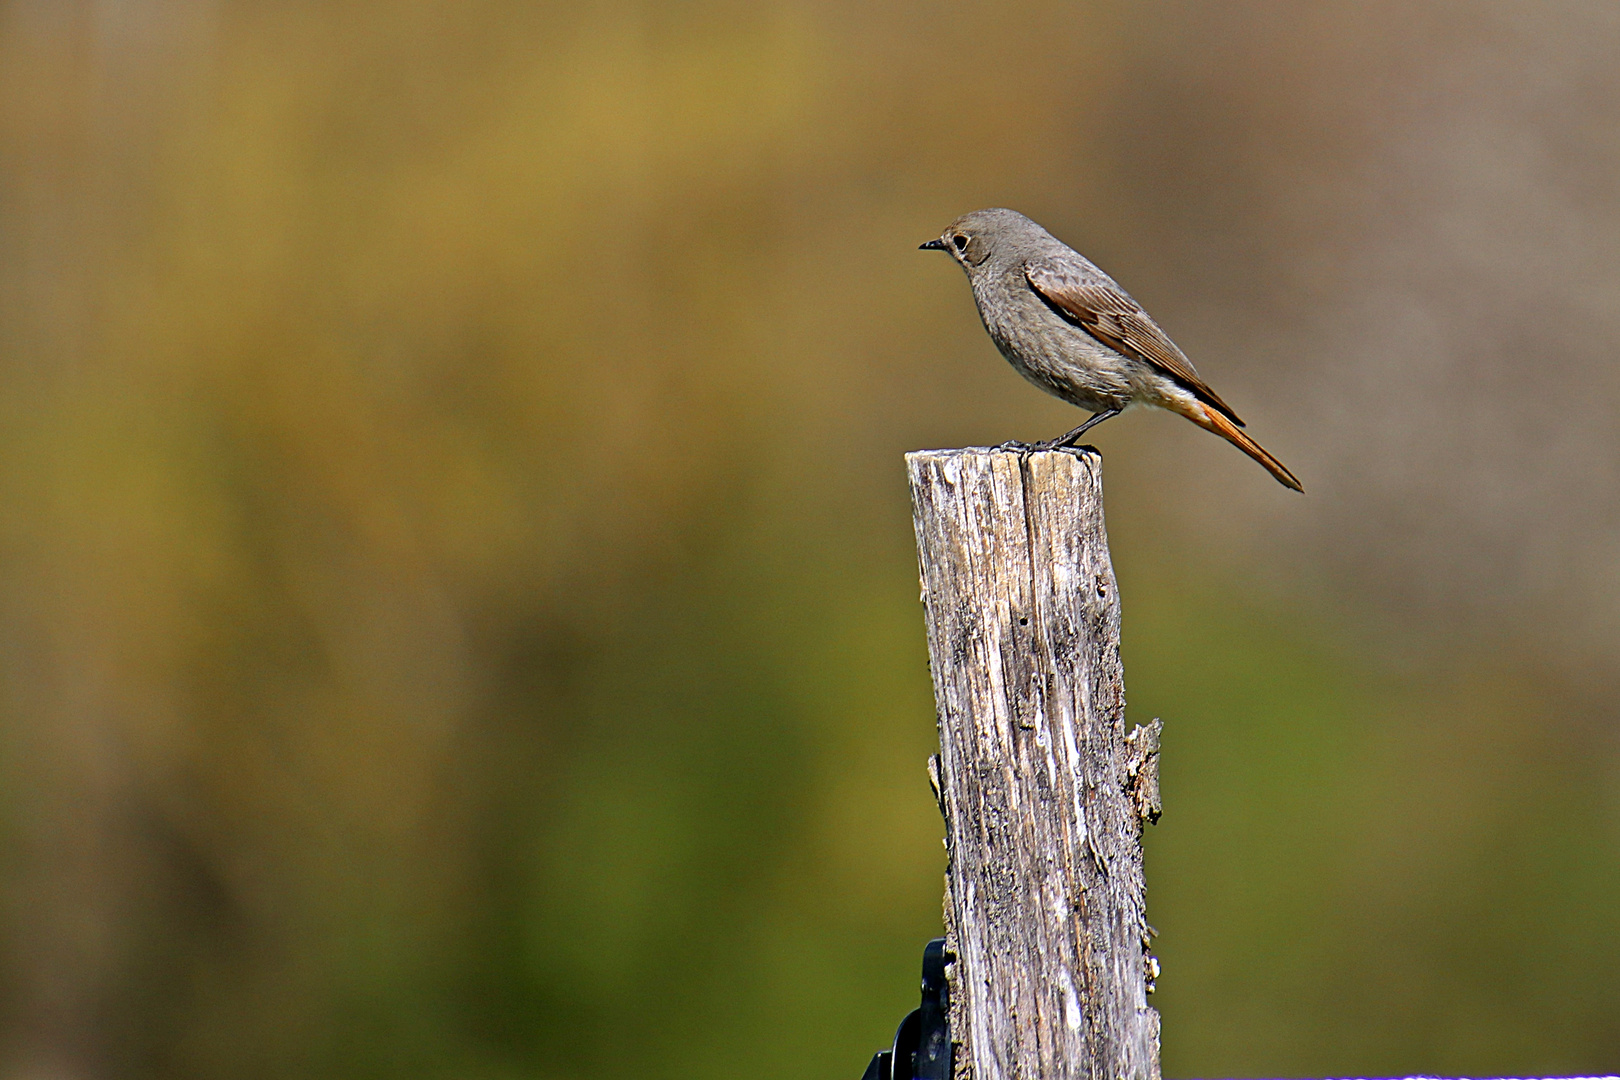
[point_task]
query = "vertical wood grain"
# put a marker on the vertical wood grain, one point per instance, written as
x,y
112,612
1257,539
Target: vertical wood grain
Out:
x,y
1042,789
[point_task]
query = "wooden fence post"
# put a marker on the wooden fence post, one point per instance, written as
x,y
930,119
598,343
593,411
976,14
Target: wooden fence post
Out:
x,y
1042,789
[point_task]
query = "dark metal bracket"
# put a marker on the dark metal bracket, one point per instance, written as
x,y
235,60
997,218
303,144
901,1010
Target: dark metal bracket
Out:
x,y
922,1046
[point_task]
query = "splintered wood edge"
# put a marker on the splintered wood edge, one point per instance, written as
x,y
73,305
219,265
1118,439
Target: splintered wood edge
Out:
x,y
1082,451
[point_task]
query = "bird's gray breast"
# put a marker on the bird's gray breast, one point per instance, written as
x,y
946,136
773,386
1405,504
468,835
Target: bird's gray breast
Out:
x,y
1047,349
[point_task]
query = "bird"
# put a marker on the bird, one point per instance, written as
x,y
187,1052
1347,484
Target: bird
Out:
x,y
1071,330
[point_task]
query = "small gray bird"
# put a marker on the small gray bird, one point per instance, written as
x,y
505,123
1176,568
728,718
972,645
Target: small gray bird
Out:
x,y
1069,329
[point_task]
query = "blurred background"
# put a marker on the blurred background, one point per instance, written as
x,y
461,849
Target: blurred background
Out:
x,y
458,609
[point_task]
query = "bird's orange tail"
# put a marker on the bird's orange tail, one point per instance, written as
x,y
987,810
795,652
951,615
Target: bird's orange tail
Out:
x,y
1213,420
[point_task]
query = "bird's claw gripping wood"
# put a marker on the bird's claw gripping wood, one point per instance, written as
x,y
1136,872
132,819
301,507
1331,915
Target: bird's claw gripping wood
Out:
x,y
1069,439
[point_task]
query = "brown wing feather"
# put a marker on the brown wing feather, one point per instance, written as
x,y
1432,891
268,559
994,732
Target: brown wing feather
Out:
x,y
1119,322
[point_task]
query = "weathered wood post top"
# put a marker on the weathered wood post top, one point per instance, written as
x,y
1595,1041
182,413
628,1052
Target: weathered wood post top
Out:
x,y
1043,791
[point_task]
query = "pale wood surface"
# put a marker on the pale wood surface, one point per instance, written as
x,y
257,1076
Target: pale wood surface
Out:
x,y
1043,790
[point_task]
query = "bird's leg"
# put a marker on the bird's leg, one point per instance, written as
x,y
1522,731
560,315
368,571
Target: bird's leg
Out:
x,y
1068,440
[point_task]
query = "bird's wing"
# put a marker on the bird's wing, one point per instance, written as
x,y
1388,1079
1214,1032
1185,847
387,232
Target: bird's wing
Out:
x,y
1104,311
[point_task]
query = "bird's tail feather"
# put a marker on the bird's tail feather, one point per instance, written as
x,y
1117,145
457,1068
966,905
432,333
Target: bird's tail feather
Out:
x,y
1213,420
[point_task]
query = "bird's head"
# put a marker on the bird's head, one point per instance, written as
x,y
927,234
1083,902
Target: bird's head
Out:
x,y
974,238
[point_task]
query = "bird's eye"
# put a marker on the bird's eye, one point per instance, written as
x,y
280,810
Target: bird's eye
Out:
x,y
960,241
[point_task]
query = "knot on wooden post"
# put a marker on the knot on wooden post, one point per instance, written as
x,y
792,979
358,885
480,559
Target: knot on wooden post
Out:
x,y
1142,767
1042,791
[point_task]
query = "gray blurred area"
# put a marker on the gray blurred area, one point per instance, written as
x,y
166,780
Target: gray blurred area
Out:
x,y
457,601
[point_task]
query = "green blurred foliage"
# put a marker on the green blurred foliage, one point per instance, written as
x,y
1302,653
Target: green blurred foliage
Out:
x,y
459,610
1364,870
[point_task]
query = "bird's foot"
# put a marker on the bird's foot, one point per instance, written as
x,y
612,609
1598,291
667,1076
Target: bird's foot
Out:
x,y
1013,446
1068,439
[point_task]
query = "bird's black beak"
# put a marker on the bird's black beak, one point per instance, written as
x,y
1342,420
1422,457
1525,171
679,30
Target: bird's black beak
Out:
x,y
932,245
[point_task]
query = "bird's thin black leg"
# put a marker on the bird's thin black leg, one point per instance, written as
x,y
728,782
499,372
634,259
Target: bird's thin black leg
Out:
x,y
1068,440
